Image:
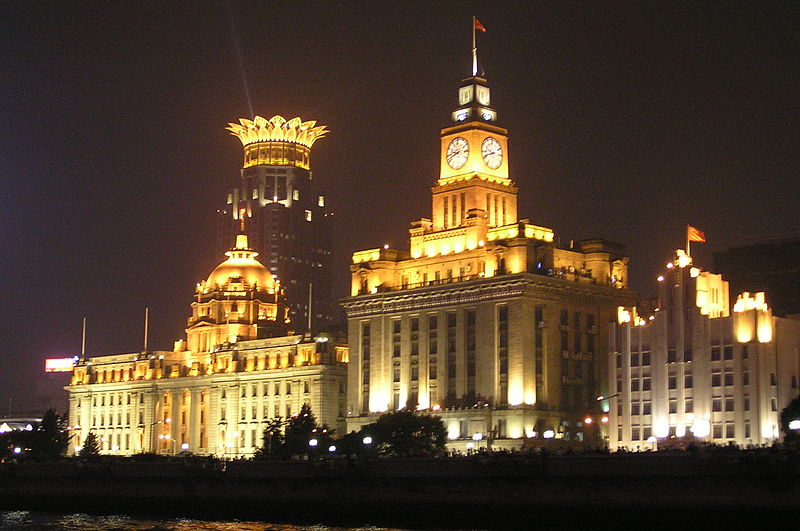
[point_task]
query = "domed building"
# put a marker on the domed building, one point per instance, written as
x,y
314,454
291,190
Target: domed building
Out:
x,y
240,300
213,393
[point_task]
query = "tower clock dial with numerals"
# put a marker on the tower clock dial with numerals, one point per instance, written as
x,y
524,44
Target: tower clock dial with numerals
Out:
x,y
492,152
457,152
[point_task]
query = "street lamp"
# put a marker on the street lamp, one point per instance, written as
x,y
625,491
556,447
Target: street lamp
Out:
x,y
166,437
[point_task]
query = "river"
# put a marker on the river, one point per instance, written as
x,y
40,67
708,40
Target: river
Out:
x,y
41,520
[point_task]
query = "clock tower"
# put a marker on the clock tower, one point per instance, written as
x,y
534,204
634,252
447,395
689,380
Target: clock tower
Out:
x,y
473,179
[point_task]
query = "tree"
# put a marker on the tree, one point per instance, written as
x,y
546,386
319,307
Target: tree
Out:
x,y
303,436
50,438
91,446
406,434
791,412
273,439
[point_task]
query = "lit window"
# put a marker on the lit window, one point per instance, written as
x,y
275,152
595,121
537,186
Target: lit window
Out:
x,y
321,201
296,195
308,215
255,193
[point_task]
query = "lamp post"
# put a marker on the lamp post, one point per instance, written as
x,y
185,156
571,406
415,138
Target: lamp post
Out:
x,y
604,416
163,421
167,437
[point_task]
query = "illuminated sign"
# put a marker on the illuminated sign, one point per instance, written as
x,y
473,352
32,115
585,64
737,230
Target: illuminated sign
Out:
x,y
59,364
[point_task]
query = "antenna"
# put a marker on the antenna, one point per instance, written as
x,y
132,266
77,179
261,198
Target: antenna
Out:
x,y
310,286
146,326
83,340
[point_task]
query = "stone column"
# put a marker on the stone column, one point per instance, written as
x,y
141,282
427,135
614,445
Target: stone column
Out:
x,y
194,420
175,423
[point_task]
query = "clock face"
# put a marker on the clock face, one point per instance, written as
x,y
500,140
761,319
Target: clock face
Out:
x,y
492,152
457,152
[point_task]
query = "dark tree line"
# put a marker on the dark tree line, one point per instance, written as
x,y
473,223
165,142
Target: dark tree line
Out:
x,y
398,434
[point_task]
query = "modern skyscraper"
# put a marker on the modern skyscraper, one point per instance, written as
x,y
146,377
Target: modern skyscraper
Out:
x,y
287,219
484,320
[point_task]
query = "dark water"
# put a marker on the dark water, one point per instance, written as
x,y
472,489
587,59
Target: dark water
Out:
x,y
41,520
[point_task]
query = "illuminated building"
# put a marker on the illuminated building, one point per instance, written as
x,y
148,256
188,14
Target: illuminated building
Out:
x,y
768,266
288,221
485,320
699,368
213,392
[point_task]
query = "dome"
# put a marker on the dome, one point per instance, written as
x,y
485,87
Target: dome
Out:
x,y
242,266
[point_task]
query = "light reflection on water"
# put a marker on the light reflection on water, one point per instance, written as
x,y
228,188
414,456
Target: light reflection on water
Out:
x,y
90,522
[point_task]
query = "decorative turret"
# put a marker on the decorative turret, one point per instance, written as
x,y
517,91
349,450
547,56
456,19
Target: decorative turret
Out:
x,y
277,141
240,300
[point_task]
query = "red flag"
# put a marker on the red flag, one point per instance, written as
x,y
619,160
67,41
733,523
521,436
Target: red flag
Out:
x,y
695,235
479,26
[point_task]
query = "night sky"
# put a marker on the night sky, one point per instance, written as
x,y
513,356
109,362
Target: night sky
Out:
x,y
626,122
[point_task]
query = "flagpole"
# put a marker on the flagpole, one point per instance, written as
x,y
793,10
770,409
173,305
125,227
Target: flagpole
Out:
x,y
474,50
688,251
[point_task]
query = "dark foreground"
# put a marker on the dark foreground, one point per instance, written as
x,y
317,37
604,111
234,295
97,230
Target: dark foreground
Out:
x,y
584,491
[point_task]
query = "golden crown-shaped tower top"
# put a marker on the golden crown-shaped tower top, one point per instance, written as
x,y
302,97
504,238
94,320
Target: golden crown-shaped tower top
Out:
x,y
277,129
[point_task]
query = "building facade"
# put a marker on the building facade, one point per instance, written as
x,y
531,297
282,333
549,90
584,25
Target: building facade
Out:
x,y
697,368
288,219
768,266
484,321
213,393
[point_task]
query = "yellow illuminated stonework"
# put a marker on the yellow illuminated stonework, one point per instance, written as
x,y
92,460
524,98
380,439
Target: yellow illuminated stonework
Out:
x,y
277,141
212,393
469,322
698,367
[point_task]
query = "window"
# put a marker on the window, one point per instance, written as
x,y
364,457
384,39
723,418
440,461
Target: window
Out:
x,y
646,407
729,404
747,403
773,380
645,359
671,355
306,387
296,194
687,381
396,374
645,384
715,353
794,381
308,215
619,360
718,431
647,432
715,380
673,406
728,378
728,353
635,433
688,406
730,431
634,408
716,404
673,382
635,359
687,354
746,378
321,201
745,352
635,384
564,318
288,388
774,404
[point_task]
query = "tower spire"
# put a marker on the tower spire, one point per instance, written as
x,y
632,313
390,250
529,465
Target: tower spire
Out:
x,y
476,25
